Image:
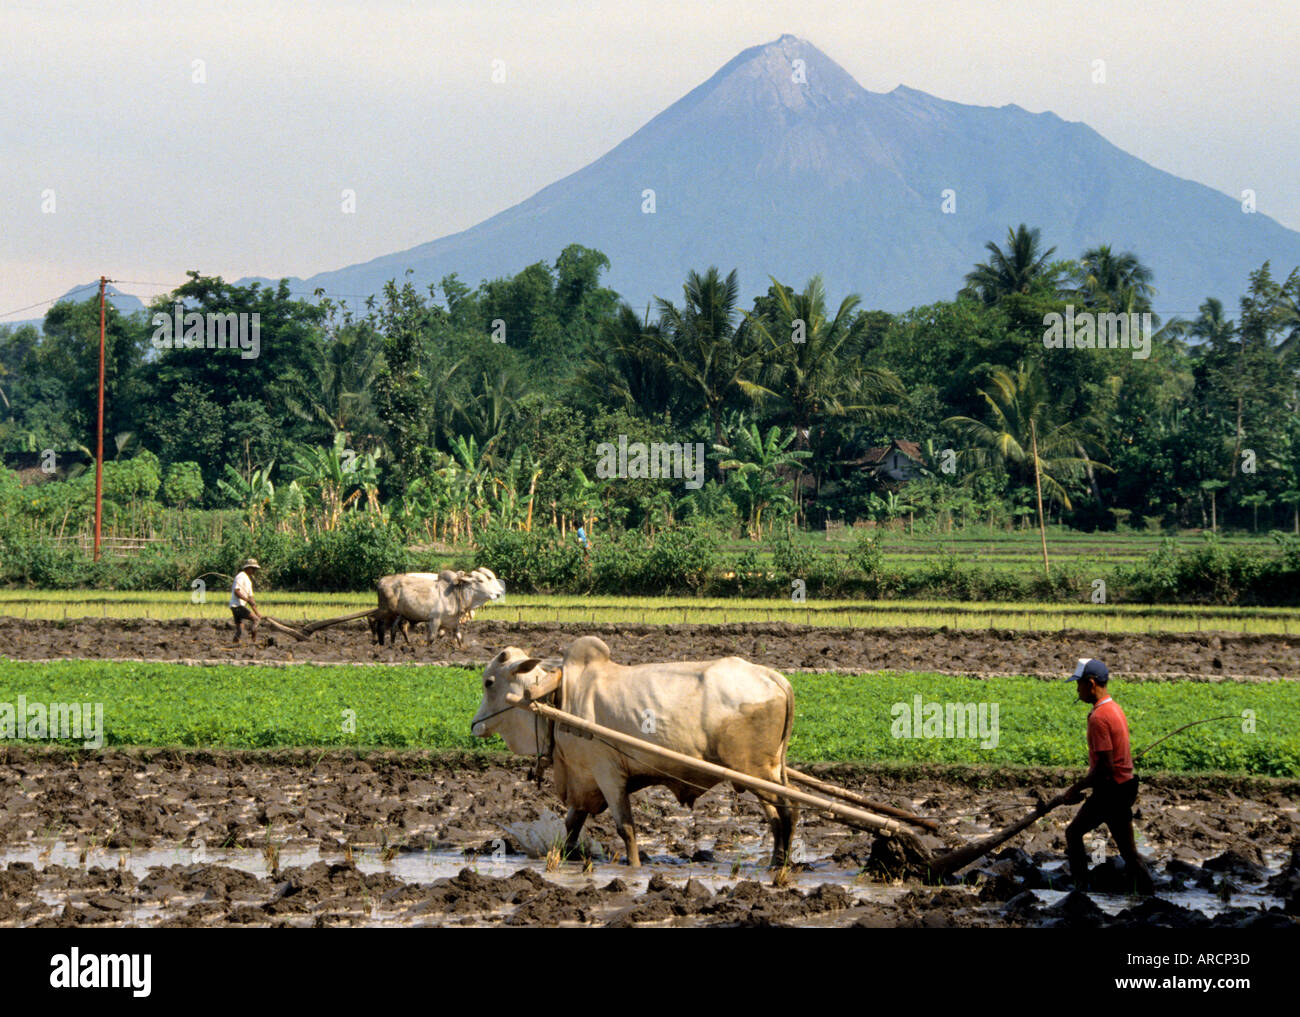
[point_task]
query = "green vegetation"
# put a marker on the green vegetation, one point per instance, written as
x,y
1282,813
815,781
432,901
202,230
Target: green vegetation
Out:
x,y
839,717
453,422
691,561
546,609
1042,724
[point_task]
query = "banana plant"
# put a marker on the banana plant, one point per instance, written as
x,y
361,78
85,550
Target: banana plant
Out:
x,y
252,493
336,477
754,464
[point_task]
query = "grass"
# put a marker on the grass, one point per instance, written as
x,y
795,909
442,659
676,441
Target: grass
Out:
x,y
845,718
545,608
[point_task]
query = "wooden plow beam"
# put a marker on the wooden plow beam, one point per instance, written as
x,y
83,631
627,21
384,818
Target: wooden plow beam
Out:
x,y
835,791
921,862
316,626
847,814
288,630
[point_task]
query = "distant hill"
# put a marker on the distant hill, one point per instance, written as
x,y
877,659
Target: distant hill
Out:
x,y
778,168
124,302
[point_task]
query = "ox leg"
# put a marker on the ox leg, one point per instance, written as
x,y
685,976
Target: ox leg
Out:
x,y
783,818
573,828
621,809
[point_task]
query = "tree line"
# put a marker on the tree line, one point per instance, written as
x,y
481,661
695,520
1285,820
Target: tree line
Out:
x,y
450,410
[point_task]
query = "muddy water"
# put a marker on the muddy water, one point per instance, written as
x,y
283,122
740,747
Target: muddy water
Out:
x,y
157,837
783,646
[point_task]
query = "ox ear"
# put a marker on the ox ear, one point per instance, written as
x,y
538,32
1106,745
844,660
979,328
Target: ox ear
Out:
x,y
524,666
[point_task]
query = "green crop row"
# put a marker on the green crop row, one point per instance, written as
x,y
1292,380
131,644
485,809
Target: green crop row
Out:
x,y
850,718
547,608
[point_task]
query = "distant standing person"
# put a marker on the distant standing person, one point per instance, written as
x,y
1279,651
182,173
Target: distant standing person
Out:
x,y
241,594
1111,777
582,539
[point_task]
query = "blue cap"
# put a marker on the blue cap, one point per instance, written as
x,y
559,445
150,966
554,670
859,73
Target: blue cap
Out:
x,y
1087,667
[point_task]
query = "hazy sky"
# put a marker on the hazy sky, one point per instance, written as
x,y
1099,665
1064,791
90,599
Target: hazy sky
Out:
x,y
153,173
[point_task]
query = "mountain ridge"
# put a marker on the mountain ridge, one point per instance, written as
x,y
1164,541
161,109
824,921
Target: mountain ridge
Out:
x,y
756,170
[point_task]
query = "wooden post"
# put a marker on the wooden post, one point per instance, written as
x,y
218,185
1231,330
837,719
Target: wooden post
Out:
x,y
99,441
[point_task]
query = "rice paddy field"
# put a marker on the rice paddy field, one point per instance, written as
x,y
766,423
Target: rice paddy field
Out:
x,y
357,760
541,608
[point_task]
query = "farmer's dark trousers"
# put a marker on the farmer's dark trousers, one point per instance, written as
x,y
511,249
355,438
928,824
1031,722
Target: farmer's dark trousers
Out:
x,y
1111,804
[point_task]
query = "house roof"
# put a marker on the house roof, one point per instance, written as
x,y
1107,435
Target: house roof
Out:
x,y
877,453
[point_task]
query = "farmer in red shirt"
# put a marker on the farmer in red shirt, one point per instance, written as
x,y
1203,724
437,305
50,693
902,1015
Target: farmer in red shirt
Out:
x,y
1111,777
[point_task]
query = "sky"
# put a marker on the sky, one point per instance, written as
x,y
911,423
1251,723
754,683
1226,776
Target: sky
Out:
x,y
140,140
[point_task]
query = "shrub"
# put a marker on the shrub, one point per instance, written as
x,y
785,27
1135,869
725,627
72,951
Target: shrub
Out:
x,y
540,561
792,560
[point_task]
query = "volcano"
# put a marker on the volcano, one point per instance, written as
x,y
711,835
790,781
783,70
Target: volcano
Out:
x,y
782,165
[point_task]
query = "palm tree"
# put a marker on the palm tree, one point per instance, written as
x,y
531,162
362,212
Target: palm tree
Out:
x,y
493,402
808,363
628,369
810,366
1018,269
1023,438
1288,314
338,392
1114,282
703,348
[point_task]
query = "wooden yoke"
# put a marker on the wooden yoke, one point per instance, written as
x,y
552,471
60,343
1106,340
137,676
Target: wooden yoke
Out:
x,y
541,690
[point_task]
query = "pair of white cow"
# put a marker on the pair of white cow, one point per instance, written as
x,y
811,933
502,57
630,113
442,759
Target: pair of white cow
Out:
x,y
726,711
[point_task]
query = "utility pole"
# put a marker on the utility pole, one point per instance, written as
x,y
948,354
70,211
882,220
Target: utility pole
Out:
x,y
1038,488
99,443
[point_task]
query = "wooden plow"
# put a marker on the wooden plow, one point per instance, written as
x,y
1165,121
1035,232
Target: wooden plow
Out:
x,y
288,630
316,626
903,855
305,632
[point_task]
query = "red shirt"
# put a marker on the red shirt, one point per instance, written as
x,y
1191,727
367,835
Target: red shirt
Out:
x,y
1108,731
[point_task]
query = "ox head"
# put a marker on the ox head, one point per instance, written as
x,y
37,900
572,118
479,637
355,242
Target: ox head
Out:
x,y
510,677
481,586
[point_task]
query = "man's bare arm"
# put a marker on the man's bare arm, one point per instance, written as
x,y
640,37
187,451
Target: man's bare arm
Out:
x,y
1098,773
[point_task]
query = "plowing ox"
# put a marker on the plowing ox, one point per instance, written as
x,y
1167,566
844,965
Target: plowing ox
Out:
x,y
444,601
726,711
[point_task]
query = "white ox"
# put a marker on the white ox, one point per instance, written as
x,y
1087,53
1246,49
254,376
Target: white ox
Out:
x,y
445,601
726,711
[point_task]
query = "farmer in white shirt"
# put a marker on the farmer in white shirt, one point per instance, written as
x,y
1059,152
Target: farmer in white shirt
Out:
x,y
241,594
